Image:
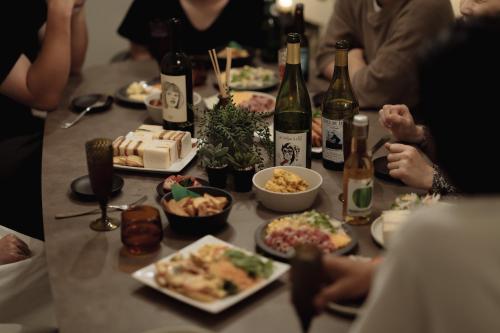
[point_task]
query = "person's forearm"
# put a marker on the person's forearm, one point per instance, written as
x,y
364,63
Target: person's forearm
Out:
x,y
79,41
48,74
356,61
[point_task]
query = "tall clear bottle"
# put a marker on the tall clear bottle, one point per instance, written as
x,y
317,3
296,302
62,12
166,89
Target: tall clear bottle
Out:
x,y
339,108
176,84
300,28
292,116
358,176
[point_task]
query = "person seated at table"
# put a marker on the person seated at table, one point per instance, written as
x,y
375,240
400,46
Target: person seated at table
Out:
x,y
207,24
46,42
385,36
406,162
444,261
13,249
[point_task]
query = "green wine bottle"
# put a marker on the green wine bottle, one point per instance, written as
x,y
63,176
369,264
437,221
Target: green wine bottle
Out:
x,y
338,109
292,116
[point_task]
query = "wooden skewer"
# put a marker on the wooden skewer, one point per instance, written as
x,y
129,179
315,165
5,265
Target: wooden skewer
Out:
x,y
229,53
215,65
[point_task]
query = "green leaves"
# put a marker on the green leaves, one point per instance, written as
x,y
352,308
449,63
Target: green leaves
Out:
x,y
252,264
180,192
213,156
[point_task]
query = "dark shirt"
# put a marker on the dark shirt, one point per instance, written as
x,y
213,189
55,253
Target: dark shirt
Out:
x,y
22,133
239,20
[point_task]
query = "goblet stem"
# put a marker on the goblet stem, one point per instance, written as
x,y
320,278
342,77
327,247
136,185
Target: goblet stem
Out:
x,y
104,212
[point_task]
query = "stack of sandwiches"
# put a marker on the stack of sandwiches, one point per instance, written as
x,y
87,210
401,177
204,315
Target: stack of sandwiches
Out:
x,y
151,147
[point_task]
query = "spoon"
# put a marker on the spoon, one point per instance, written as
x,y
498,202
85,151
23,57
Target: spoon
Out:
x,y
99,102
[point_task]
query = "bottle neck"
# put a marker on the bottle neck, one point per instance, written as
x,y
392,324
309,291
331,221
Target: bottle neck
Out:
x,y
359,140
341,65
293,54
174,39
299,23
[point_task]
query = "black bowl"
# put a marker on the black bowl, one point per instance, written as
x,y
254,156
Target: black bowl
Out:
x,y
200,224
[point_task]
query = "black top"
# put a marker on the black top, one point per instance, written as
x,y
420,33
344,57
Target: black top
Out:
x,y
22,38
21,136
239,20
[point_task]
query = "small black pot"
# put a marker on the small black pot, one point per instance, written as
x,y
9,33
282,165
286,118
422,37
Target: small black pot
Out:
x,y
217,177
243,179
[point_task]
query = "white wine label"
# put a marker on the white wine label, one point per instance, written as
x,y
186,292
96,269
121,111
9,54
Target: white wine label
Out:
x,y
173,97
333,134
360,195
291,149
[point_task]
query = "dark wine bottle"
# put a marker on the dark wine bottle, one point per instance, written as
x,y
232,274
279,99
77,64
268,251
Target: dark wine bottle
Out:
x,y
300,28
272,32
338,110
292,116
176,84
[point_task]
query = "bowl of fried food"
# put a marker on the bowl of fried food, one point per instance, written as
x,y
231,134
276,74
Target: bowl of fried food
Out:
x,y
197,210
287,188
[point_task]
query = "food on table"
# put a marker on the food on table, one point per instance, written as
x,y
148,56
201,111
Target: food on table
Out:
x,y
151,147
285,181
258,103
310,227
237,51
212,272
186,181
247,77
400,210
316,130
138,90
205,205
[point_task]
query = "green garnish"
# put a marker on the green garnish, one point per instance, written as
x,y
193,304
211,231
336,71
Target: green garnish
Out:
x,y
252,264
320,220
186,182
230,287
316,113
180,192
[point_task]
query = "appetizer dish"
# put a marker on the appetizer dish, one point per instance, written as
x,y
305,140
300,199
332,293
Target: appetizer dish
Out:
x,y
138,90
186,181
311,227
213,272
259,103
385,226
251,78
285,181
205,205
151,147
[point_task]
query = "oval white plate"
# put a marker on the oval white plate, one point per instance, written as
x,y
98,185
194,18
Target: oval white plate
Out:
x,y
377,231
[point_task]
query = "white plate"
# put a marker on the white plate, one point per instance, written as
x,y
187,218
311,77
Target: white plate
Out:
x,y
212,100
174,167
377,231
146,276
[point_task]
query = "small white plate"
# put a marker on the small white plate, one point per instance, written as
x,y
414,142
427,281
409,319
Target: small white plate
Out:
x,y
174,167
377,231
146,275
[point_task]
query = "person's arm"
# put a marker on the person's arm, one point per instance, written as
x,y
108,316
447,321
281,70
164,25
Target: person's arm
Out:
x,y
13,249
356,60
391,77
40,84
79,40
339,27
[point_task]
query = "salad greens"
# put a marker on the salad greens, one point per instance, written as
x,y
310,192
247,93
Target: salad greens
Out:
x,y
252,264
319,220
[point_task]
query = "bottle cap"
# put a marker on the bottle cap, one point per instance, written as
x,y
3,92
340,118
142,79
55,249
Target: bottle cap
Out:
x,y
342,44
360,120
293,37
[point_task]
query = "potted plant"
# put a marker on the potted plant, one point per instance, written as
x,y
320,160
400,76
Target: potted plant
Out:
x,y
214,159
239,131
243,163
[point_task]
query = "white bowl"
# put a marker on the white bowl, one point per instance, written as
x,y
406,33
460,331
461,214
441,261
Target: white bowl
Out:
x,y
288,202
156,112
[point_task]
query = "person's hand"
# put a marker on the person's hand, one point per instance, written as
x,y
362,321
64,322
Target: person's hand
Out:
x,y
66,6
349,280
407,164
398,120
12,249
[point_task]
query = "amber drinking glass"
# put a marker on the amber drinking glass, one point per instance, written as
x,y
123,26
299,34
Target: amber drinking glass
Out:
x,y
100,167
141,229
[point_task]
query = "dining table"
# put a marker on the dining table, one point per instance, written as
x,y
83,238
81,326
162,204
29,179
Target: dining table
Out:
x,y
90,272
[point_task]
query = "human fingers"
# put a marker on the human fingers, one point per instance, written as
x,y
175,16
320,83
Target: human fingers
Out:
x,y
397,147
